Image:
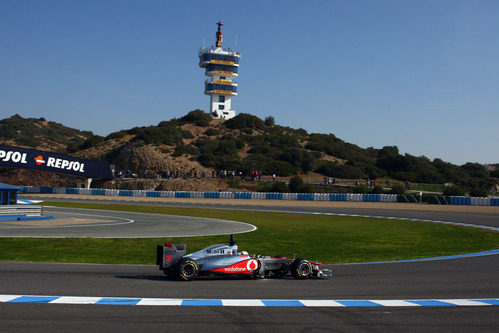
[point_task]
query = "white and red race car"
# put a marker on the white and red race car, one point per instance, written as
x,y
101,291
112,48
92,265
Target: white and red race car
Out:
x,y
222,259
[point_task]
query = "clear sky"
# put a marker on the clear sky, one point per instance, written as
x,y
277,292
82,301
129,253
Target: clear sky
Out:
x,y
422,74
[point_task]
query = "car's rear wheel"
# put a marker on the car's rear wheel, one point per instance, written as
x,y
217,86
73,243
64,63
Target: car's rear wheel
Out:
x,y
187,269
301,269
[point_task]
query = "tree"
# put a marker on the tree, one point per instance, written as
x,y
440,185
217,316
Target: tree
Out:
x,y
361,188
279,187
390,160
454,190
377,190
269,121
479,192
296,185
397,189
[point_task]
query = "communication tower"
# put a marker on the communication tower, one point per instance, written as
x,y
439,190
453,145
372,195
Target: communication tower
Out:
x,y
222,67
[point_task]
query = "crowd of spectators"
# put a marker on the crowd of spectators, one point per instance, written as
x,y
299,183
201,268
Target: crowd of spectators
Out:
x,y
193,174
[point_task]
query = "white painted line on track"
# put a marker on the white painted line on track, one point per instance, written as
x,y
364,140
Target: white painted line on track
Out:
x,y
242,302
76,300
7,298
160,302
394,303
320,302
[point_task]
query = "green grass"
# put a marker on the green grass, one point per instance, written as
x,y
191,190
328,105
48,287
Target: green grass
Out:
x,y
330,239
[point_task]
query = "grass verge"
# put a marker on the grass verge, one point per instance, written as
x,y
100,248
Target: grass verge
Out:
x,y
330,239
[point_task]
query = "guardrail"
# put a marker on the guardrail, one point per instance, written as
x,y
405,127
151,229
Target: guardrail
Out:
x,y
21,210
431,199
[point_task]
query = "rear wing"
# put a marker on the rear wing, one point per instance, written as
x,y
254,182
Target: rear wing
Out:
x,y
169,254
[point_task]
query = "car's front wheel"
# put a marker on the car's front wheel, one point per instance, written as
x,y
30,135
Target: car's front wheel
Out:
x,y
301,269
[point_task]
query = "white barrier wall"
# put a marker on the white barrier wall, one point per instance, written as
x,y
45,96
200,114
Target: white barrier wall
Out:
x,y
454,200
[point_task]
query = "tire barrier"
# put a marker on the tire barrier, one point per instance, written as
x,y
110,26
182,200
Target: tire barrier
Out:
x,y
242,195
355,197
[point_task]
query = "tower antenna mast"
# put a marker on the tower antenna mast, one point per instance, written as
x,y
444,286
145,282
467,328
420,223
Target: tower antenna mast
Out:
x,y
221,66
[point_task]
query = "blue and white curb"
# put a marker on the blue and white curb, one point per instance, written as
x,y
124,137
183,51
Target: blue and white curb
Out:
x,y
247,302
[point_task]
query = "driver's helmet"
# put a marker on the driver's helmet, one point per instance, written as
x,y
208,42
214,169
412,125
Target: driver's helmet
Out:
x,y
244,253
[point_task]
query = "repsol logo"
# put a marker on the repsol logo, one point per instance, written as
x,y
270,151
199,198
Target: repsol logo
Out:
x,y
13,156
60,163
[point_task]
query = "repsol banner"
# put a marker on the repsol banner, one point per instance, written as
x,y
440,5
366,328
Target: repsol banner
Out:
x,y
41,160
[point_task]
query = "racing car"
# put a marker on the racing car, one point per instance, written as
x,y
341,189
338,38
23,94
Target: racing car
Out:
x,y
226,260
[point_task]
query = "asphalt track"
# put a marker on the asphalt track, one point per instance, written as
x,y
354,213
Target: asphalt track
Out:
x,y
475,278
114,224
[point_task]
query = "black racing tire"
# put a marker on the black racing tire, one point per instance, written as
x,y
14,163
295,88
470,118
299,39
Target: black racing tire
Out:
x,y
187,269
301,269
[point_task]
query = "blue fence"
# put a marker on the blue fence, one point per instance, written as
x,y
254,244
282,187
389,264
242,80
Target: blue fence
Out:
x,y
464,201
212,195
242,195
337,197
454,200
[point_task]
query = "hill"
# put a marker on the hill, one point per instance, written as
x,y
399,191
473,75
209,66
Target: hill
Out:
x,y
197,145
40,134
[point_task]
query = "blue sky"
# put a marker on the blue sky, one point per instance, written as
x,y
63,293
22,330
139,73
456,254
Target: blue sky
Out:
x,y
421,75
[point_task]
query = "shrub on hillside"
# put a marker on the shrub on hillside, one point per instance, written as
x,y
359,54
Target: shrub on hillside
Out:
x,y
280,168
377,190
397,189
279,187
92,141
117,135
165,133
479,192
454,190
198,117
296,185
211,132
187,134
361,188
245,120
333,169
186,149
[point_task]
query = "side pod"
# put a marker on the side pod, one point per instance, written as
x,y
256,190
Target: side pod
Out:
x,y
169,254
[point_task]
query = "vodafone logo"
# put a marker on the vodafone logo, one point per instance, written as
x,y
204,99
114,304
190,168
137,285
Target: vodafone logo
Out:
x,y
39,160
252,265
234,269
245,266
